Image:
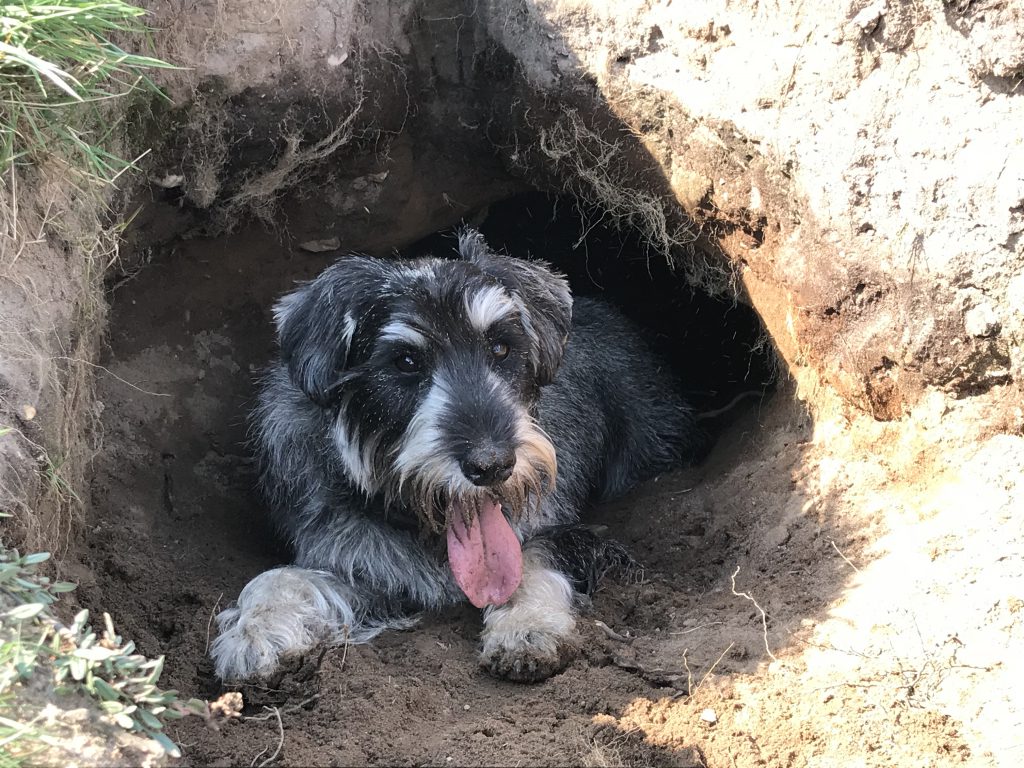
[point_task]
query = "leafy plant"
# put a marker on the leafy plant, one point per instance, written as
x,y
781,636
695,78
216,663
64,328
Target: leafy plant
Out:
x,y
37,650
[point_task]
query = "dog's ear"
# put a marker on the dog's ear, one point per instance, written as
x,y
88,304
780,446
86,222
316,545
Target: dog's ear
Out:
x,y
316,325
544,294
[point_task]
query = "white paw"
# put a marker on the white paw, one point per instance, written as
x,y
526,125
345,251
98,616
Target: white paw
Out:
x,y
283,612
528,656
532,637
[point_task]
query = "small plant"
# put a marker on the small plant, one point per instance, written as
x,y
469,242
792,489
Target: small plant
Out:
x,y
55,482
38,652
59,65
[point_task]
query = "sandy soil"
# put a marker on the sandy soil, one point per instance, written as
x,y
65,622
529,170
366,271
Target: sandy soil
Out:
x,y
840,670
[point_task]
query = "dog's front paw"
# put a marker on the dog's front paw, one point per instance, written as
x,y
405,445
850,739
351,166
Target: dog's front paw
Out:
x,y
526,656
532,636
253,644
281,613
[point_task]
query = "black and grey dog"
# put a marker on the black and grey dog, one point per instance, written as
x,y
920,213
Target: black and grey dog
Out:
x,y
408,439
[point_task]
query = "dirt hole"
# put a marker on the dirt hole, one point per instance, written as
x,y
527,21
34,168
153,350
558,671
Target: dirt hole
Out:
x,y
816,587
176,527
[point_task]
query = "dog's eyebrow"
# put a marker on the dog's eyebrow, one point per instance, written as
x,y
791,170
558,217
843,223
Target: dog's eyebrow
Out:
x,y
487,306
396,330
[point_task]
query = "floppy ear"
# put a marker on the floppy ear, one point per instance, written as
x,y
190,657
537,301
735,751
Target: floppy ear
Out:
x,y
543,294
316,325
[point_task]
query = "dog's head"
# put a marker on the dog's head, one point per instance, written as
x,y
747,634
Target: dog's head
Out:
x,y
431,369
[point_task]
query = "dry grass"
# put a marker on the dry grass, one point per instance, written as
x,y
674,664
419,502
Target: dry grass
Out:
x,y
232,196
63,139
55,246
299,143
259,193
597,172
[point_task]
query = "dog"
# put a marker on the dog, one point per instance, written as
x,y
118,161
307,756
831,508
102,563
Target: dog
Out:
x,y
431,433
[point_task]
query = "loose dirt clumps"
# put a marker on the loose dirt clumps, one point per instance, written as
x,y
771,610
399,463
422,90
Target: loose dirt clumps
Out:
x,y
815,204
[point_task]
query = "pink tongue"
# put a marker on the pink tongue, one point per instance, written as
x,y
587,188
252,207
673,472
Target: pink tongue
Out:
x,y
485,557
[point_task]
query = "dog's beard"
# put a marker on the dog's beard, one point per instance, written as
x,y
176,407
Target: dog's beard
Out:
x,y
438,491
483,548
418,473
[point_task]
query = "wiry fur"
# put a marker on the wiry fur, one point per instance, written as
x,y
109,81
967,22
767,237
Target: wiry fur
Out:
x,y
365,463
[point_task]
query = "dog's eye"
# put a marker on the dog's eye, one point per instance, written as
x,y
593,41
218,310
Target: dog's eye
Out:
x,y
408,363
499,349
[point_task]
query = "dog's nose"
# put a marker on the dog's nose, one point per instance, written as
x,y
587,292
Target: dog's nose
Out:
x,y
488,465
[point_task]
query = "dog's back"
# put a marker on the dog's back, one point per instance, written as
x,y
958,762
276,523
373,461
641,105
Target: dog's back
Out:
x,y
614,411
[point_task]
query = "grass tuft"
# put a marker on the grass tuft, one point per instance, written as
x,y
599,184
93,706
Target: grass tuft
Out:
x,y
58,59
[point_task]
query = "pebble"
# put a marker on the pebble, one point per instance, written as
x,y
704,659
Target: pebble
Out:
x,y
709,716
321,246
982,321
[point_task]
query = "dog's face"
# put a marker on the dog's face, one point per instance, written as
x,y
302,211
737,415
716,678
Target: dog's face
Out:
x,y
431,369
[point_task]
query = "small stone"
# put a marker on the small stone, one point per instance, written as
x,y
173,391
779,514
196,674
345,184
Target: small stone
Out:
x,y
28,412
690,187
169,181
982,321
466,707
709,716
321,246
755,199
867,20
228,706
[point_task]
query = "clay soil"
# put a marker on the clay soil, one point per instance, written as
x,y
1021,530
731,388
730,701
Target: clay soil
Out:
x,y
686,670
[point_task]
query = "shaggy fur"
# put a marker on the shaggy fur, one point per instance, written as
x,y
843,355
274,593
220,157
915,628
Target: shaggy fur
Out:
x,y
408,397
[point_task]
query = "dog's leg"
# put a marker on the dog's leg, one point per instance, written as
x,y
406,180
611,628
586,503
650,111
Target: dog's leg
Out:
x,y
283,612
532,636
